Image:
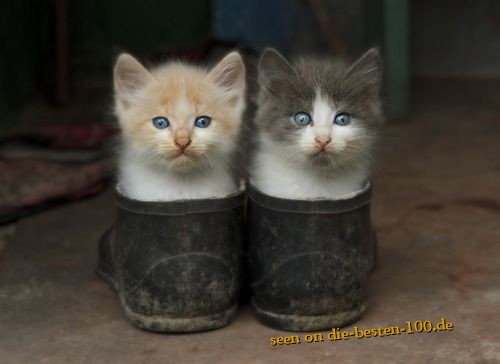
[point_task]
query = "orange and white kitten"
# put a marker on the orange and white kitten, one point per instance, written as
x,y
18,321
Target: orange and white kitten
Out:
x,y
180,126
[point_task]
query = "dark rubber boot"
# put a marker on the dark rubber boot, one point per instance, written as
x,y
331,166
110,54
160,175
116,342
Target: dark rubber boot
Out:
x,y
175,265
309,261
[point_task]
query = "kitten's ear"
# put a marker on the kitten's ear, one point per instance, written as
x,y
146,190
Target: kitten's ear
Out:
x,y
272,65
229,74
129,78
368,67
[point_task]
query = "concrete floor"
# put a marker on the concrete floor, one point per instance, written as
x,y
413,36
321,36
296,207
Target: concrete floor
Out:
x,y
437,212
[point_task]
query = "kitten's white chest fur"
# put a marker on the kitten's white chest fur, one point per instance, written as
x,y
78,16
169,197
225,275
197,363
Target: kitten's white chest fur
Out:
x,y
275,176
145,182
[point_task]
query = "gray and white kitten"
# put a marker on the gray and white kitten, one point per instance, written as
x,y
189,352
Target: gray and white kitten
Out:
x,y
317,122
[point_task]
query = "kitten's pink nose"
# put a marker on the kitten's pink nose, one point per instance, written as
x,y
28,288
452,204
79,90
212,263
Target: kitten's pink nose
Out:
x,y
322,141
182,139
182,143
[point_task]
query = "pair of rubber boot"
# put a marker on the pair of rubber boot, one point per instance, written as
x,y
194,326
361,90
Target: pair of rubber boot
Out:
x,y
178,266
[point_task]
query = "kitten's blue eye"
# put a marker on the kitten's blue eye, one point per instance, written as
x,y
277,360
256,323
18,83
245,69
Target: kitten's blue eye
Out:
x,y
302,118
160,122
342,119
202,121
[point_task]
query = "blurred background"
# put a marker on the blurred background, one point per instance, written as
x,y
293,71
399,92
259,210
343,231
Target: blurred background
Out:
x,y
54,51
57,56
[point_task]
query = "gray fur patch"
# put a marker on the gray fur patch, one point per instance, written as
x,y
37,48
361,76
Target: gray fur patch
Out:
x,y
286,89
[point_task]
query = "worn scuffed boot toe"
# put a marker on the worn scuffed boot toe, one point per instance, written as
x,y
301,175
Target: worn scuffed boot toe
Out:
x,y
309,260
175,265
